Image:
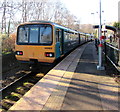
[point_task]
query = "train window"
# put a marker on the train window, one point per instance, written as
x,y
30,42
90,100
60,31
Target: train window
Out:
x,y
69,36
45,35
66,34
23,35
34,31
35,34
58,35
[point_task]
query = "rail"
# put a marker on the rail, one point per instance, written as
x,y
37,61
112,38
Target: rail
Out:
x,y
113,55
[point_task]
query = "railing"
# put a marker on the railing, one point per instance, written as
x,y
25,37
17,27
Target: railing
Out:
x,y
113,55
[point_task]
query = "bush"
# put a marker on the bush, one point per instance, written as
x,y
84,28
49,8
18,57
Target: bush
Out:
x,y
8,44
3,36
117,25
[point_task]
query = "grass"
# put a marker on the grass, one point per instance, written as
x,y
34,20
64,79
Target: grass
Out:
x,y
5,53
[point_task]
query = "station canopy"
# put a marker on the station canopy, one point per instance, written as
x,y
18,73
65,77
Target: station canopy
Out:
x,y
106,27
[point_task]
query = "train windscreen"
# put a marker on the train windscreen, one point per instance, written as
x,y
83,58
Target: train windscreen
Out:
x,y
34,34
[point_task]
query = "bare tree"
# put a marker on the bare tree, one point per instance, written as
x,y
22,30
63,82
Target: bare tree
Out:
x,y
3,28
49,10
8,10
86,28
24,10
10,15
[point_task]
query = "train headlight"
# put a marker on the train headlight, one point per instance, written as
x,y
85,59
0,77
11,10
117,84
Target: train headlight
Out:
x,y
19,53
49,54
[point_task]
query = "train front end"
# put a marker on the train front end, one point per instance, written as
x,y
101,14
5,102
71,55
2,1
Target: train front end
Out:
x,y
35,43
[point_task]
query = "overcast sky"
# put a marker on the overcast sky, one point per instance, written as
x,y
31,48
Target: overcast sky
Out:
x,y
83,9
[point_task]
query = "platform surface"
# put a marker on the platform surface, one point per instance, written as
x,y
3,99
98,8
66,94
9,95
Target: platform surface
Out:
x,y
74,84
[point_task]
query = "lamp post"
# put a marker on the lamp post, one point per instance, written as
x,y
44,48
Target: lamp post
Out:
x,y
93,17
92,23
100,66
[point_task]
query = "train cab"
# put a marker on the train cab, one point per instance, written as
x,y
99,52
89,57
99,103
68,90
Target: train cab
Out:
x,y
35,42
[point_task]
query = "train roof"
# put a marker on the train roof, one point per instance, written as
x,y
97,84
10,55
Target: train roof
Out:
x,y
56,25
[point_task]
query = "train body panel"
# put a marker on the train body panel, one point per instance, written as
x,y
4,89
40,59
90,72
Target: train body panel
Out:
x,y
31,53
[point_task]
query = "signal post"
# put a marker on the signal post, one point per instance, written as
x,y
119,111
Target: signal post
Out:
x,y
100,64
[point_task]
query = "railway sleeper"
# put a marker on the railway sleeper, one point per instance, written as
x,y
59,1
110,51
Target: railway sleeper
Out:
x,y
40,75
2,109
11,102
32,81
28,84
14,96
21,90
5,105
1,106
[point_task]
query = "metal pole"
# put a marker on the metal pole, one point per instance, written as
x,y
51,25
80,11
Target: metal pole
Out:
x,y
100,67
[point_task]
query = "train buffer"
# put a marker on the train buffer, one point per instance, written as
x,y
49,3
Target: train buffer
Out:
x,y
74,84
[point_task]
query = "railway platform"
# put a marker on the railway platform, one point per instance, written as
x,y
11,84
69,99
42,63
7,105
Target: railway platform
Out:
x,y
74,84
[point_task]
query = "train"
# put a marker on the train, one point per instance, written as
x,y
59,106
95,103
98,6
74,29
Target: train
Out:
x,y
45,41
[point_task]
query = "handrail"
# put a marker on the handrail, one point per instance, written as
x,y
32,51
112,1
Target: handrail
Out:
x,y
109,57
113,47
117,67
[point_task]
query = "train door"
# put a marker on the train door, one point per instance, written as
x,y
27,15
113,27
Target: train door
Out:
x,y
59,49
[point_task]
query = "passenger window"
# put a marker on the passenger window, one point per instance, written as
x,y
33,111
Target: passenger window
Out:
x,y
67,36
45,35
58,35
34,34
23,35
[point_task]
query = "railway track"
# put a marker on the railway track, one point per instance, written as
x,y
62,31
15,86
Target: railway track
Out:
x,y
18,81
15,90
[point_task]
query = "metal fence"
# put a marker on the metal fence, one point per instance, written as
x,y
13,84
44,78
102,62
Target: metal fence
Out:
x,y
113,55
